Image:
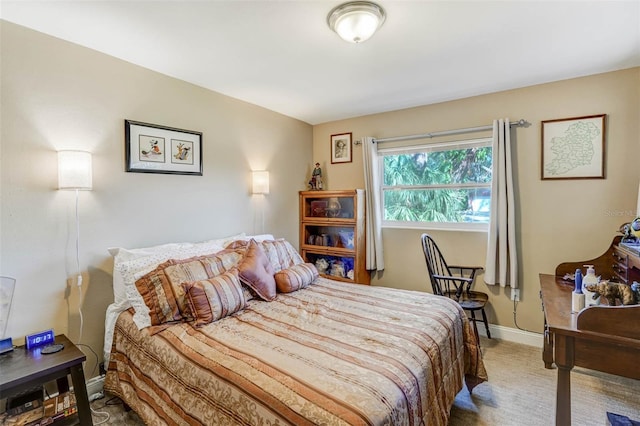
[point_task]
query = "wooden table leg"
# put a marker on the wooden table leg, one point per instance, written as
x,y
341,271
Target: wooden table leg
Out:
x,y
547,342
82,399
547,348
563,350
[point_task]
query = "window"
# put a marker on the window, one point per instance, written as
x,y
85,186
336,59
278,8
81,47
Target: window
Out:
x,y
444,185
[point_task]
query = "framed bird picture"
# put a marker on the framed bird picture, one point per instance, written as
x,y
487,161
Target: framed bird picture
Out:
x,y
150,148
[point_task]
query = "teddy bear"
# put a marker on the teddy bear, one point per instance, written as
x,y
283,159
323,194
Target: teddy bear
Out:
x,y
613,291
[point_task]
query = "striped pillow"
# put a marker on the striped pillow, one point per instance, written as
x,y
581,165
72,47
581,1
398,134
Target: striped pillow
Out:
x,y
215,298
295,278
280,252
161,288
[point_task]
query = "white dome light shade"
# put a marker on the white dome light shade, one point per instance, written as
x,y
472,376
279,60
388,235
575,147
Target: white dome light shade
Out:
x,y
356,21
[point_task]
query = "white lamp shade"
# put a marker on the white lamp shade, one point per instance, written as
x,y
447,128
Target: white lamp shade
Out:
x,y
356,21
74,170
260,182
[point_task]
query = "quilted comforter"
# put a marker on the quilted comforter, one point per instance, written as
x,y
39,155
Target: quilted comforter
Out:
x,y
331,354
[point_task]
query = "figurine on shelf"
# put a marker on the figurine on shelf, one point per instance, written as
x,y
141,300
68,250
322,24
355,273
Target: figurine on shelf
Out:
x,y
315,184
627,236
322,265
337,269
612,291
635,227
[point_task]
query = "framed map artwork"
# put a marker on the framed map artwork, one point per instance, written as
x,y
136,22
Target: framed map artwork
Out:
x,y
573,148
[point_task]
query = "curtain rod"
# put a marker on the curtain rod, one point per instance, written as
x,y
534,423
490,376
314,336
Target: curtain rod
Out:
x,y
520,123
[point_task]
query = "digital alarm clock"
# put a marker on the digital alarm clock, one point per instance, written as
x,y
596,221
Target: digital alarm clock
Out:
x,y
42,338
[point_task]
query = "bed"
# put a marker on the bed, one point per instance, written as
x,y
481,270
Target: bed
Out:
x,y
327,352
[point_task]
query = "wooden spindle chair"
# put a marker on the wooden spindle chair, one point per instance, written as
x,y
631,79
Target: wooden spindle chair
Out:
x,y
455,282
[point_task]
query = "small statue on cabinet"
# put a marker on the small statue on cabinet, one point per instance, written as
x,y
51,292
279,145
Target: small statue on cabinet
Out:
x,y
315,184
635,228
612,291
627,236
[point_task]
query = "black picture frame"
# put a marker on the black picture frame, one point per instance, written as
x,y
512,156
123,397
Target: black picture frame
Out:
x,y
152,148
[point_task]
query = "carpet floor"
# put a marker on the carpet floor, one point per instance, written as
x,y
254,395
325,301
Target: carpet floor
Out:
x,y
520,392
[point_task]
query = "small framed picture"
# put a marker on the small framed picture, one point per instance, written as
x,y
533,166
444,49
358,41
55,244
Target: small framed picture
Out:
x,y
341,148
150,148
574,148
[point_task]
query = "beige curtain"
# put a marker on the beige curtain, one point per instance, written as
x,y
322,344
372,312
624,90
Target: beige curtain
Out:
x,y
502,258
372,184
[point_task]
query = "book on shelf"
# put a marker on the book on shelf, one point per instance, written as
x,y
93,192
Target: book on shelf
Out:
x,y
23,413
50,411
58,408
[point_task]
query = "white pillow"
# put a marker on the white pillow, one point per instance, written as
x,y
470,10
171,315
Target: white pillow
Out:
x,y
122,255
258,238
131,264
130,270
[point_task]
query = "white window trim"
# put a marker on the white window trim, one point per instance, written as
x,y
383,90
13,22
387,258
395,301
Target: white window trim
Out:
x,y
440,226
437,226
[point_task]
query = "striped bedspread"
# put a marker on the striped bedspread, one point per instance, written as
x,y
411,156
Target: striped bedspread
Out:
x,y
331,354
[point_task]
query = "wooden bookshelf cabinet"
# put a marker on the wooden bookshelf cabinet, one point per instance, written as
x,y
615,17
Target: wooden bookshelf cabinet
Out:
x,y
332,233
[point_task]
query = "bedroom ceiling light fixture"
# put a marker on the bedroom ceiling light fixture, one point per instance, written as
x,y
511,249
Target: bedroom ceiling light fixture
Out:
x,y
75,173
356,21
260,181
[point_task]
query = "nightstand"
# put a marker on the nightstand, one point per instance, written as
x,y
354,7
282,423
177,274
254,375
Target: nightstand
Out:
x,y
24,369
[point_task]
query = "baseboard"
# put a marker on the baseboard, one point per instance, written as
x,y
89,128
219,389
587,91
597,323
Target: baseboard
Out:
x,y
95,385
513,335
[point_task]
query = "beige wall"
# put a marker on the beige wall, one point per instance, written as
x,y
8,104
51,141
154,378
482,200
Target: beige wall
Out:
x,y
557,220
56,95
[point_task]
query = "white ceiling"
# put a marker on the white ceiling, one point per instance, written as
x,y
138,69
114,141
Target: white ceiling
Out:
x,y
281,55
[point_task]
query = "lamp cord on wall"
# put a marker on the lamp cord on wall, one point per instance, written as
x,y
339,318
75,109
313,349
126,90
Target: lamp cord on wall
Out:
x,y
79,278
515,319
79,283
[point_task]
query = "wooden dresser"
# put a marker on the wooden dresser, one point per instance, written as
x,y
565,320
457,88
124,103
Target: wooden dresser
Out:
x,y
603,338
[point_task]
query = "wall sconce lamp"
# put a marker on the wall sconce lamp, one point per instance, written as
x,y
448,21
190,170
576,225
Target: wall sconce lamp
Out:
x,y
75,173
74,170
260,182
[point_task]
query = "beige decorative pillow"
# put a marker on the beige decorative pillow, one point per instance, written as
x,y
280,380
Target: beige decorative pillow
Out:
x,y
161,288
280,252
296,277
256,271
215,298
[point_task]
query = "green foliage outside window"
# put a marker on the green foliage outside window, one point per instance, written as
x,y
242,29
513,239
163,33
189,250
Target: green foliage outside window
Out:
x,y
438,186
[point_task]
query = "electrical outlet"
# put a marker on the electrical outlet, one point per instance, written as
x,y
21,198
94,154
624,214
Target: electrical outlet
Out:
x,y
95,385
515,294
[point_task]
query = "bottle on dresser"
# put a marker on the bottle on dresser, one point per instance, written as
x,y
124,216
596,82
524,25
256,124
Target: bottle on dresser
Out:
x,y
590,278
577,297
